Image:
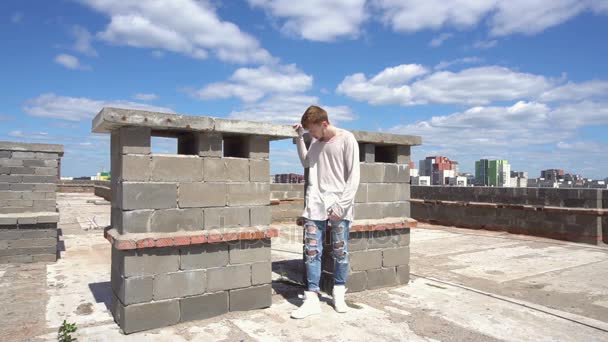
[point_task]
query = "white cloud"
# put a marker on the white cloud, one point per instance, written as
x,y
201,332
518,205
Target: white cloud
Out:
x,y
466,60
580,146
481,85
576,91
145,97
83,41
485,44
189,27
158,54
288,109
16,17
503,17
252,84
317,20
68,108
32,135
440,39
70,62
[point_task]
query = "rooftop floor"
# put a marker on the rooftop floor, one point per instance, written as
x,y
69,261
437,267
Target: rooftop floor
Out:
x,y
466,285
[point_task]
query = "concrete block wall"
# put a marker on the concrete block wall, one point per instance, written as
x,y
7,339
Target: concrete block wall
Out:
x,y
377,259
28,211
576,215
163,286
287,201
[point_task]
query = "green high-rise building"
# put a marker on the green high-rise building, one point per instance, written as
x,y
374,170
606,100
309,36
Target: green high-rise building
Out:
x,y
492,172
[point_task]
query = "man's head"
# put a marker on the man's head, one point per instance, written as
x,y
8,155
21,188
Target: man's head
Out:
x,y
315,120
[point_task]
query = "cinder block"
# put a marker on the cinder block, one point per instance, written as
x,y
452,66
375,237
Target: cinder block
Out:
x,y
4,186
5,162
369,211
366,260
44,257
146,316
134,221
5,170
45,187
260,216
28,250
148,195
20,203
403,192
396,173
204,256
248,251
226,169
209,144
177,168
403,274
39,179
33,195
226,217
33,243
261,273
5,154
134,140
145,262
23,155
357,241
45,171
134,168
16,259
252,298
45,204
229,277
247,194
395,256
21,170
46,155
203,307
174,220
259,170
12,179
202,195
372,173
381,278
10,195
132,290
361,195
381,192
258,147
179,284
383,239
356,281
367,153
397,209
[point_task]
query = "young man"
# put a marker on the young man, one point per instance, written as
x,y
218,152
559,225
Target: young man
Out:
x,y
333,179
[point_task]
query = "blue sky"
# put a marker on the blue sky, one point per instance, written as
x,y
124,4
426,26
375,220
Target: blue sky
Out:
x,y
525,81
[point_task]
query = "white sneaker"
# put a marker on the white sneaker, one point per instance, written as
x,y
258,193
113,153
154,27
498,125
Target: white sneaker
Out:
x,y
311,306
339,303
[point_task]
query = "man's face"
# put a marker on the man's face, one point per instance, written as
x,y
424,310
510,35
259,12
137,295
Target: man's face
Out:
x,y
317,131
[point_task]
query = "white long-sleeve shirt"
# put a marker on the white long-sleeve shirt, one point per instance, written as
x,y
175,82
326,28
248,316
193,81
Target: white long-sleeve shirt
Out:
x,y
333,176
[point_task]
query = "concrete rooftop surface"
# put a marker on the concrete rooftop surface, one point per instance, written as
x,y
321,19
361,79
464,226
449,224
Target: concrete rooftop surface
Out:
x,y
466,285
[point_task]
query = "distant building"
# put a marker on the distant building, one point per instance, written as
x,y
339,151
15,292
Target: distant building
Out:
x,y
288,178
519,179
552,174
457,181
414,173
438,168
421,180
492,173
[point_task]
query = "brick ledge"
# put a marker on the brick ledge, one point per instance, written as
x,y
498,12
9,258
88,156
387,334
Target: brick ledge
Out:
x,y
390,223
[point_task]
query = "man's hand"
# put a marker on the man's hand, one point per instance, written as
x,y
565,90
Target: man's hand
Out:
x,y
299,129
334,213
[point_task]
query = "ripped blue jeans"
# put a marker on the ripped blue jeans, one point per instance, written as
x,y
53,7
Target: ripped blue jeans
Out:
x,y
314,237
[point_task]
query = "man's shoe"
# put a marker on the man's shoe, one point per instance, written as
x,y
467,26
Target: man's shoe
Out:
x,y
339,303
311,306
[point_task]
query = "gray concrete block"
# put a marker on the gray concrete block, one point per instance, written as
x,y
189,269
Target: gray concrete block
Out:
x,y
365,260
226,217
148,195
403,192
202,195
16,259
259,170
361,195
5,170
44,257
209,144
33,195
45,187
146,316
381,278
45,171
258,147
261,273
134,140
23,155
145,262
28,250
356,281
132,290
133,221
11,179
40,179
179,284
397,209
395,256
203,307
246,194
21,170
369,211
33,243
251,298
372,173
10,195
383,239
357,241
204,256
248,251
403,274
5,154
5,162
45,204
260,216
177,168
396,173
8,220
229,277
20,203
134,168
174,220
4,186
47,155
226,169
367,153
381,192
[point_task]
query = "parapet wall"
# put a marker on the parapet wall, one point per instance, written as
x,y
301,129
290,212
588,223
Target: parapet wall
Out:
x,y
579,215
28,209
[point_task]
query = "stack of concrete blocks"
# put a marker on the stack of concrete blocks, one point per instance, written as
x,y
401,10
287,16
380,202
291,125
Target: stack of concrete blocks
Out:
x,y
28,206
189,231
287,201
379,237
578,215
